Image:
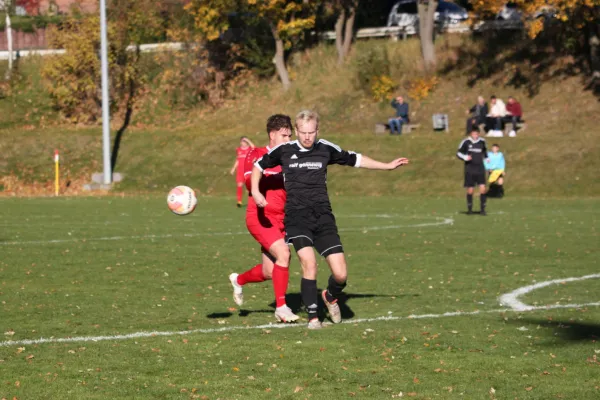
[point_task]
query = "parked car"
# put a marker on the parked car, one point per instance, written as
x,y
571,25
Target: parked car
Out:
x,y
405,14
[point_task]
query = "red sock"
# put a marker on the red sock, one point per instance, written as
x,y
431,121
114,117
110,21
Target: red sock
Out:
x,y
240,193
281,277
254,274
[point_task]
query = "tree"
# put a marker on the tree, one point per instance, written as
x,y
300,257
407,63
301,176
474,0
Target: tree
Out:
x,y
73,79
575,24
344,26
426,10
6,6
287,20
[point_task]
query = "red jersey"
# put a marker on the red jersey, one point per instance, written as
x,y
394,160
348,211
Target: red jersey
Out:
x,y
241,157
271,185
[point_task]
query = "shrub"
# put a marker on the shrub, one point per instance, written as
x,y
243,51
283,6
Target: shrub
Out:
x,y
421,88
382,88
371,66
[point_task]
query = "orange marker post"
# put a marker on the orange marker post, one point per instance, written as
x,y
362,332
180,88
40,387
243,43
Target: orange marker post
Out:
x,y
56,173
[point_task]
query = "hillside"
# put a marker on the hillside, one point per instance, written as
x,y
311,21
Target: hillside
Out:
x,y
557,155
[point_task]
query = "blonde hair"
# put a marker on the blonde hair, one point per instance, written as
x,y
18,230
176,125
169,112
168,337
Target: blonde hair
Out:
x,y
306,116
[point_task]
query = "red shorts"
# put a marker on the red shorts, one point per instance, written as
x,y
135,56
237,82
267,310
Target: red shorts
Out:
x,y
266,229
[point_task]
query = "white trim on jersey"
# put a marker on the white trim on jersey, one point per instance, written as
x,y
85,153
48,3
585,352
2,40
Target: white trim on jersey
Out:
x,y
462,156
257,165
358,159
302,148
328,143
463,142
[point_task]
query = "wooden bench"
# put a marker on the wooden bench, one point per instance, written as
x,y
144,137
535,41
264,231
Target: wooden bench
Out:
x,y
520,126
383,128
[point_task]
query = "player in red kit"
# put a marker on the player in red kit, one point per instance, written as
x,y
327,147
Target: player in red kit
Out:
x,y
241,152
266,224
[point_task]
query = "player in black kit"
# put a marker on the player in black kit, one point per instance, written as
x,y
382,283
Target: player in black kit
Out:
x,y
309,221
473,152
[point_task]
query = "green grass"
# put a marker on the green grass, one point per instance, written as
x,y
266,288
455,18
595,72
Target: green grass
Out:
x,y
107,266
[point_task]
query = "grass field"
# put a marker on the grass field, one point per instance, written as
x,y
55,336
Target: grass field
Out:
x,y
90,268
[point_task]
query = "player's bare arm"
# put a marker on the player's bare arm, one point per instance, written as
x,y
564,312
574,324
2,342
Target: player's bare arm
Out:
x,y
235,165
258,197
369,163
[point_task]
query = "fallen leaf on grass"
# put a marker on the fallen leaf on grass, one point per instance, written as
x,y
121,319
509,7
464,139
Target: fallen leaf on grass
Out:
x,y
298,389
529,389
10,332
20,350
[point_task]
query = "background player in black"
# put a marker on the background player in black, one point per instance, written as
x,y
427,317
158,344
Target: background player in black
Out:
x,y
309,221
473,152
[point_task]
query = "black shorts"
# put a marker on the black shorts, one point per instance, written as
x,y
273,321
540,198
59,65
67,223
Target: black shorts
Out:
x,y
474,178
313,228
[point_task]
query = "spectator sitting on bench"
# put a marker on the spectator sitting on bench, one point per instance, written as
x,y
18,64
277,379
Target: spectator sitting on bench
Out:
x,y
496,117
495,165
514,113
401,115
477,113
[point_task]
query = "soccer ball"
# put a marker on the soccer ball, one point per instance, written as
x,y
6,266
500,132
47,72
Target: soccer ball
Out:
x,y
182,200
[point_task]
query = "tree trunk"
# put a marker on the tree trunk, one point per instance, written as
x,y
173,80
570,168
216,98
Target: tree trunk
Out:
x,y
594,43
426,28
349,31
279,60
9,43
339,35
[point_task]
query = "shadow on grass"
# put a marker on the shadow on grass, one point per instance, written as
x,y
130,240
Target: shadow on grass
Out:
x,y
294,301
568,331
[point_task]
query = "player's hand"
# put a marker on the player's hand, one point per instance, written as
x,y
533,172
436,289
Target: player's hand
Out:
x,y
397,163
259,199
469,158
231,172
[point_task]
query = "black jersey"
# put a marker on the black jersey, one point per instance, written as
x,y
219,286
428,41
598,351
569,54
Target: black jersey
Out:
x,y
305,171
474,148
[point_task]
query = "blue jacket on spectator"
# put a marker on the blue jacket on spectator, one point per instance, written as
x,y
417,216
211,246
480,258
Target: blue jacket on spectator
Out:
x,y
401,109
496,161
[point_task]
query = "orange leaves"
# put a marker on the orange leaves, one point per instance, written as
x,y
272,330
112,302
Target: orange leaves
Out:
x,y
421,88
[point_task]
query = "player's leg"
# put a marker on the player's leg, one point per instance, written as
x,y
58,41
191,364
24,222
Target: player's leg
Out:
x,y
470,186
255,274
279,257
308,285
329,246
470,199
482,195
239,191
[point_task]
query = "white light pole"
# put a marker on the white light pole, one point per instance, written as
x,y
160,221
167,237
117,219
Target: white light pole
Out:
x,y
105,96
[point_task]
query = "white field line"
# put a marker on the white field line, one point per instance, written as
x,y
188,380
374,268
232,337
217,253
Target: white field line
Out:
x,y
439,222
512,299
136,335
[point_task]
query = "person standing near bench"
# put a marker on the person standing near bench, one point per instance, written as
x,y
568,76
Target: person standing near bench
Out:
x,y
514,114
401,116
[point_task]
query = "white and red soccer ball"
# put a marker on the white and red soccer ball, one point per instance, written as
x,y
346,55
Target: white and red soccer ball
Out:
x,y
182,200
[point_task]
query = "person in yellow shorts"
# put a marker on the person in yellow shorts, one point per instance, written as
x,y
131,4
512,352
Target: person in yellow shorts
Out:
x,y
495,165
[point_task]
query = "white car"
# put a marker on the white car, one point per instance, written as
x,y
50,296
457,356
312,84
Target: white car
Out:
x,y
405,14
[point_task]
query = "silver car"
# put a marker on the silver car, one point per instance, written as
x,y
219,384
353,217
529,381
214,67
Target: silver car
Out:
x,y
405,14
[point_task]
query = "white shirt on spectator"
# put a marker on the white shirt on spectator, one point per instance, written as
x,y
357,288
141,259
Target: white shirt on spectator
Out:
x,y
498,109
